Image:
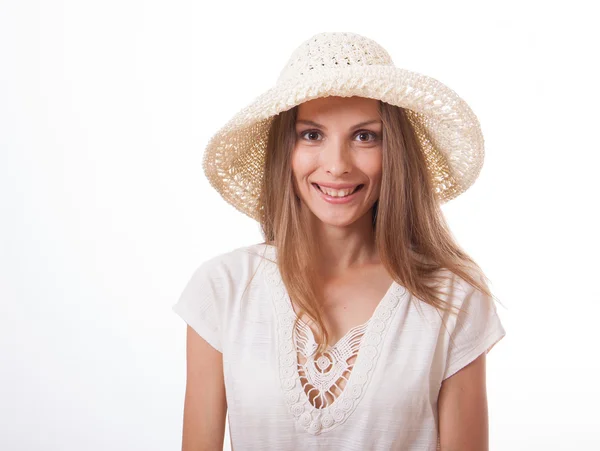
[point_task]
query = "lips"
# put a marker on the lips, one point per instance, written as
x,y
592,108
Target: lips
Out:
x,y
342,187
337,186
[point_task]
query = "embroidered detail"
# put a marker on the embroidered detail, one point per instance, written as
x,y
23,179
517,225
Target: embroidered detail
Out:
x,y
309,385
321,378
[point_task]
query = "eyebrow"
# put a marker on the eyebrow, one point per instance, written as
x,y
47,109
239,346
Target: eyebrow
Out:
x,y
315,124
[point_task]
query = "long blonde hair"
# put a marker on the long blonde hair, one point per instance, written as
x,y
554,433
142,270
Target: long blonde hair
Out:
x,y
411,234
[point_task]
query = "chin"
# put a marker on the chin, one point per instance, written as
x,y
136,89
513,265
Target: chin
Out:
x,y
340,220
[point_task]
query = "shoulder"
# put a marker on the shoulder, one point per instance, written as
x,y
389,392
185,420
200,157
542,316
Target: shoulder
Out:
x,y
235,265
474,311
458,296
455,288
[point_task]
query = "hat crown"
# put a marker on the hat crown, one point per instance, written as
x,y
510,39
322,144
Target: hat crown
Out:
x,y
333,51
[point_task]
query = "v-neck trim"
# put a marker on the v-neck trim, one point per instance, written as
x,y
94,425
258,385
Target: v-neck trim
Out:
x,y
318,420
364,325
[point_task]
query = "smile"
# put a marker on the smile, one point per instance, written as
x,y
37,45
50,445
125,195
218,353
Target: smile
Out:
x,y
341,196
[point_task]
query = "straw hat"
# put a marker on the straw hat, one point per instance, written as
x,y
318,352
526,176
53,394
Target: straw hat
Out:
x,y
345,65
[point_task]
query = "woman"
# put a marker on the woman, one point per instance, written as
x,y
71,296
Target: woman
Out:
x,y
359,324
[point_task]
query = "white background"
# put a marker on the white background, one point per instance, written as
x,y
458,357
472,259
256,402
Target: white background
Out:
x,y
105,108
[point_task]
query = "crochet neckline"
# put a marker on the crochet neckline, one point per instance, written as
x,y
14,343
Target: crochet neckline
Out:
x,y
363,343
352,330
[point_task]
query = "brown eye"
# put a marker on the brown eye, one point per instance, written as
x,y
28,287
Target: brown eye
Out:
x,y
366,137
311,135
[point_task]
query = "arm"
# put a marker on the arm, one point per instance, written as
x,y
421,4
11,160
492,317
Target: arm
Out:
x,y
462,409
205,405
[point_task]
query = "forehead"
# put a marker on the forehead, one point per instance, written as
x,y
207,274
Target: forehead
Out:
x,y
339,107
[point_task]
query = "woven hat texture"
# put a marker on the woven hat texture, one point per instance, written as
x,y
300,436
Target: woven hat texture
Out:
x,y
346,65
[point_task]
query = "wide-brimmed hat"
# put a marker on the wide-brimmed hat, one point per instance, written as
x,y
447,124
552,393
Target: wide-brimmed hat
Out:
x,y
347,65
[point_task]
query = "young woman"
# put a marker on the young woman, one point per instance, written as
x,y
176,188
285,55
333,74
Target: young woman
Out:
x,y
359,324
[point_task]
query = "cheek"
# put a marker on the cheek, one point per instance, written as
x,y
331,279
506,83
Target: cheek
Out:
x,y
371,165
302,164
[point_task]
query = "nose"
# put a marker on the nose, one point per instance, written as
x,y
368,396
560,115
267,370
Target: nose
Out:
x,y
336,158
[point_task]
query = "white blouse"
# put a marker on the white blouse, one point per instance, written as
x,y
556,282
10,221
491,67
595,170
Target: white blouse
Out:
x,y
238,303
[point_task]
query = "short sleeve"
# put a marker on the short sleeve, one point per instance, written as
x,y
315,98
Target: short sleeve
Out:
x,y
477,329
197,305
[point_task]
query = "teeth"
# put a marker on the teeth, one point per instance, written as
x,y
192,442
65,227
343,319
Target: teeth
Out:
x,y
337,192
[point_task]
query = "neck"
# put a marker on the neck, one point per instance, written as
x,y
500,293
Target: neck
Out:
x,y
343,249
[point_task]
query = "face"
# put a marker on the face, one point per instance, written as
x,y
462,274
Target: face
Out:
x,y
336,161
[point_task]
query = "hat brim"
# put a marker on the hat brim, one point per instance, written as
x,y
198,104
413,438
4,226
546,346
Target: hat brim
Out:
x,y
446,127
